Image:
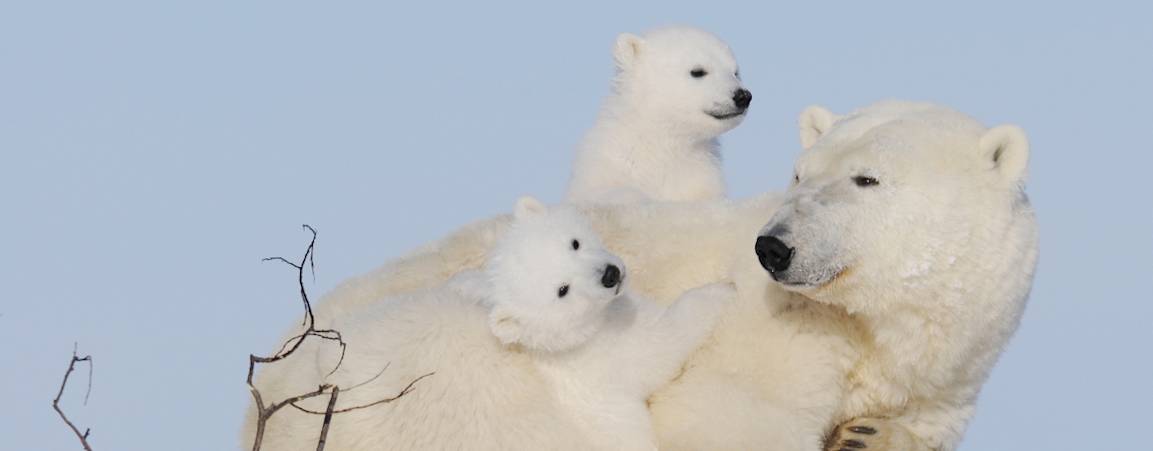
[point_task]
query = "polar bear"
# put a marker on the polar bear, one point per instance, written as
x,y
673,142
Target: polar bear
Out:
x,y
568,359
677,89
912,219
890,275
556,293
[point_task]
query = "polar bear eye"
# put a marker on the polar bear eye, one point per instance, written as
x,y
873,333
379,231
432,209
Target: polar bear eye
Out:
x,y
863,181
576,245
698,72
737,74
562,292
796,178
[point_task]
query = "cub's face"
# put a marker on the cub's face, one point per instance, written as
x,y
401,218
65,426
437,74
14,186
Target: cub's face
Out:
x,y
552,279
889,202
686,77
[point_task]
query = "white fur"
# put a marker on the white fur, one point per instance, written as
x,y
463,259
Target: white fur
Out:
x,y
932,269
655,138
602,352
934,261
551,371
814,122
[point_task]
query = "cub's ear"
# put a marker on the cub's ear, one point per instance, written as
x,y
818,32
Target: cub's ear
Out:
x,y
1007,148
504,326
528,206
815,121
627,50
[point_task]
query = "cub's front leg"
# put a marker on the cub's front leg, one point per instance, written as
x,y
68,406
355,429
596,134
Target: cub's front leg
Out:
x,y
664,337
691,318
873,434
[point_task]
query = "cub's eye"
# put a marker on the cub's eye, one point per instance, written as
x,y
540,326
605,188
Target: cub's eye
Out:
x,y
796,178
698,73
576,245
737,74
863,181
562,292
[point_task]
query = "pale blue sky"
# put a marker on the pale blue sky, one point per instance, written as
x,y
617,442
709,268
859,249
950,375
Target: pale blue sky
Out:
x,y
151,154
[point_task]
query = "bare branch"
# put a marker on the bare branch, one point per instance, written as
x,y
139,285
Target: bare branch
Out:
x,y
327,419
323,389
408,388
311,251
290,346
83,437
282,259
366,382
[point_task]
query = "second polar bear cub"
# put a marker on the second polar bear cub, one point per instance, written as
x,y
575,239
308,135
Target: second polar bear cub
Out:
x,y
676,91
556,293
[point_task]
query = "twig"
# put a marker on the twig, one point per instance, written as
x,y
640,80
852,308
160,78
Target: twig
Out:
x,y
308,319
56,402
327,419
408,388
264,412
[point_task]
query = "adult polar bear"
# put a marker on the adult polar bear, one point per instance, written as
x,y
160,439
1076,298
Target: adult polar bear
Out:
x,y
910,246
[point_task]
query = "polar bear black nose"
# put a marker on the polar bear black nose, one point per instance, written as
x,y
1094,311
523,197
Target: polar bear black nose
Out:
x,y
773,253
742,97
612,276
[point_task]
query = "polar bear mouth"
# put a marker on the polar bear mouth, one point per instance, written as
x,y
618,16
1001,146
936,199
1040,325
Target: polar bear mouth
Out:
x,y
821,281
725,116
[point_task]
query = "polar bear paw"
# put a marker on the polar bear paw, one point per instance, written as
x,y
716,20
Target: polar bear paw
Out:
x,y
873,434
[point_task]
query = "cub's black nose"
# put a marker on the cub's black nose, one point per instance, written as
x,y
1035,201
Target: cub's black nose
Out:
x,y
742,98
612,276
773,254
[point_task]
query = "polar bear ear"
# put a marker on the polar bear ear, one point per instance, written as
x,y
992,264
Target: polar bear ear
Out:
x,y
627,50
1007,148
504,326
528,206
815,121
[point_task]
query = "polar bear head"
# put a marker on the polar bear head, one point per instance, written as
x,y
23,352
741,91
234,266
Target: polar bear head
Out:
x,y
905,204
551,279
682,78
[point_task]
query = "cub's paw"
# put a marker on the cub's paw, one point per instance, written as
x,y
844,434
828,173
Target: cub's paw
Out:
x,y
873,434
702,305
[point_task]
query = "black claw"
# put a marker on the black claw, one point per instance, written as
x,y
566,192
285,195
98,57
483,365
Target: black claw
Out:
x,y
854,444
863,430
844,449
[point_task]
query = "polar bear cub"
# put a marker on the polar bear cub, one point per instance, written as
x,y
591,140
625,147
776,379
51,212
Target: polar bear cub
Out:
x,y
557,295
676,91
